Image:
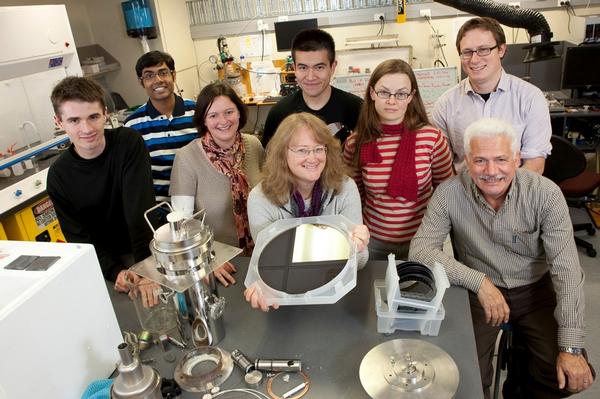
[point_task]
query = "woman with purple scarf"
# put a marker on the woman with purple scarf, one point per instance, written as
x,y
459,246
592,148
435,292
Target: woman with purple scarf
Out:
x,y
304,175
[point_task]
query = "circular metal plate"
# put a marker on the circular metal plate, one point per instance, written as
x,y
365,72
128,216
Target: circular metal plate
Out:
x,y
408,369
253,378
184,371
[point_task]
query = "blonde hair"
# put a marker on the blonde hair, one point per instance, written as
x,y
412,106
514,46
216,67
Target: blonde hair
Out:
x,y
278,181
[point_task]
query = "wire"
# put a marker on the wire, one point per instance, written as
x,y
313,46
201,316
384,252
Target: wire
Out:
x,y
272,394
256,121
381,26
253,392
262,54
256,72
570,7
515,34
198,71
437,37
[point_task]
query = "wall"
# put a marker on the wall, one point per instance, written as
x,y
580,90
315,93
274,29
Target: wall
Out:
x,y
414,32
175,36
108,26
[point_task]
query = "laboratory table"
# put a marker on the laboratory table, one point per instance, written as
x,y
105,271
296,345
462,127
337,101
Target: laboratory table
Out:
x,y
330,340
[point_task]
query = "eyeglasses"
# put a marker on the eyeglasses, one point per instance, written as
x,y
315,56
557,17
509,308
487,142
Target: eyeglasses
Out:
x,y
398,96
482,52
162,73
304,152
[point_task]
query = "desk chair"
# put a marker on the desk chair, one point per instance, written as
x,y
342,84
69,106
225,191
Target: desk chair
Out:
x,y
566,166
118,101
504,347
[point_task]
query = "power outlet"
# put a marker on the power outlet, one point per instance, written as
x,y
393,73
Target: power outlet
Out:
x,y
260,25
378,17
425,12
562,3
515,4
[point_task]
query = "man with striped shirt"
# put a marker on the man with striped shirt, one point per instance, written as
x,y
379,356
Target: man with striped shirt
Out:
x,y
516,255
165,121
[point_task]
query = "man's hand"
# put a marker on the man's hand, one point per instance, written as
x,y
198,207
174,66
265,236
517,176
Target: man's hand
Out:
x,y
124,278
574,371
360,236
253,294
149,291
493,303
224,273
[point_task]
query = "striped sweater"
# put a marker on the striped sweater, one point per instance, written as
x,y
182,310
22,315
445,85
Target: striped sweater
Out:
x,y
163,137
396,220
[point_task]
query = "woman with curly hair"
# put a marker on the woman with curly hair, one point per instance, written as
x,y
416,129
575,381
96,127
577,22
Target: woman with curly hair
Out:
x,y
304,175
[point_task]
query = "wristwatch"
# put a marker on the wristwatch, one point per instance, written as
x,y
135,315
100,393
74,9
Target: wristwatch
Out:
x,y
571,350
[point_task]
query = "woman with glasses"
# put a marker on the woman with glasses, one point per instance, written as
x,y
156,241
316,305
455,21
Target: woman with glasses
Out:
x,y
397,158
304,175
217,171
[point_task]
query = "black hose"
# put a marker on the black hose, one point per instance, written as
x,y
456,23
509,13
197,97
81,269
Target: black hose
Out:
x,y
531,20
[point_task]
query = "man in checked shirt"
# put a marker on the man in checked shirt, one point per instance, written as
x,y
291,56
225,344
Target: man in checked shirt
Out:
x,y
516,255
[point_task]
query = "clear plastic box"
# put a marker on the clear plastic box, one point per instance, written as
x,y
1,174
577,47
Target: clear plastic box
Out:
x,y
388,299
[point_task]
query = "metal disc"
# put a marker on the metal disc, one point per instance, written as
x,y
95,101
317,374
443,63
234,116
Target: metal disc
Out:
x,y
253,378
408,369
183,372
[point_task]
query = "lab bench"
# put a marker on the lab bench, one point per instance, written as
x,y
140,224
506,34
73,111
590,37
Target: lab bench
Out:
x,y
26,212
330,340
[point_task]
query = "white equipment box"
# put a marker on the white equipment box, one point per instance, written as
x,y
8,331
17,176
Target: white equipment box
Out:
x,y
58,329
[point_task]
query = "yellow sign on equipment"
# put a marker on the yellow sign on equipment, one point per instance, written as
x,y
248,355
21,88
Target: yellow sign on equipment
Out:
x,y
401,12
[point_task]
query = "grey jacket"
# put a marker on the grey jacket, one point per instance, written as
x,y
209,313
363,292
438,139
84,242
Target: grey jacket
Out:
x,y
262,212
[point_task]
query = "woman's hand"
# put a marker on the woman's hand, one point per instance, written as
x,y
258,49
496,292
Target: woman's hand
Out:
x,y
224,273
253,294
360,236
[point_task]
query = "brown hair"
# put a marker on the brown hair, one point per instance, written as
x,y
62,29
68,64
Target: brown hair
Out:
x,y
278,181
206,98
368,127
75,88
483,23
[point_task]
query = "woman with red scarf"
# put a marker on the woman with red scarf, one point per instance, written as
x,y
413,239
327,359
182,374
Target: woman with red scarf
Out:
x,y
217,171
397,159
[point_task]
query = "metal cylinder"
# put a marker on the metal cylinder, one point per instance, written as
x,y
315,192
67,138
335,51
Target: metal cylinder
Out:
x,y
292,365
241,360
135,381
184,248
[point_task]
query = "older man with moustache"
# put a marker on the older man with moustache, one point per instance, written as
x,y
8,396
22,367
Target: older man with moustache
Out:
x,y
517,257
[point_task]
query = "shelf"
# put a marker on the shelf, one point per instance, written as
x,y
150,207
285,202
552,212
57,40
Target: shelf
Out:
x,y
108,68
96,50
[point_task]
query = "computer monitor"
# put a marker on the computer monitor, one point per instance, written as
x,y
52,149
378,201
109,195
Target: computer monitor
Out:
x,y
580,68
286,31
